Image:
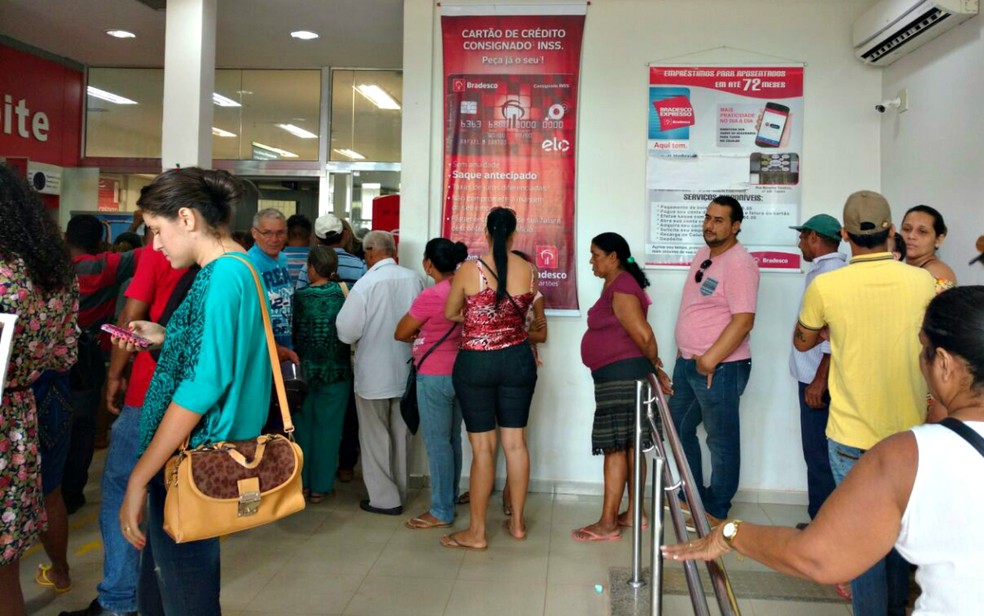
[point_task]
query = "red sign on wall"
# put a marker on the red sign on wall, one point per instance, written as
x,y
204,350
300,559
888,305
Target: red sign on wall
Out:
x,y
41,106
510,113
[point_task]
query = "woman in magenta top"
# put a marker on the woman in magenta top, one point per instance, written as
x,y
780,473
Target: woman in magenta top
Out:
x,y
619,348
495,372
437,338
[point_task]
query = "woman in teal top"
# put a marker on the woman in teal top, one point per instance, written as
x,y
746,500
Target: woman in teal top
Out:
x,y
212,381
328,365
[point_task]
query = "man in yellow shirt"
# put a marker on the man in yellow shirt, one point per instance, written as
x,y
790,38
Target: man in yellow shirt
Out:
x,y
873,309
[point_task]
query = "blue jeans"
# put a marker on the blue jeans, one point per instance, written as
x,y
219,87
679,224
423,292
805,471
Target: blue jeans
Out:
x,y
813,433
440,425
176,579
693,403
121,561
884,588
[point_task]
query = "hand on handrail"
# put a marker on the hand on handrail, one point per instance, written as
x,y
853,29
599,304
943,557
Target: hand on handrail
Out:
x,y
711,547
665,382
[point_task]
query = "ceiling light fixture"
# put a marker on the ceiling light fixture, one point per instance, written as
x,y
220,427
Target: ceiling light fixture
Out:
x,y
121,34
297,131
109,96
218,132
222,101
270,148
304,35
351,154
377,96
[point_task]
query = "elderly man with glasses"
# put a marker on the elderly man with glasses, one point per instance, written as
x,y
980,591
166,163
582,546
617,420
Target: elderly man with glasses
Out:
x,y
270,237
714,360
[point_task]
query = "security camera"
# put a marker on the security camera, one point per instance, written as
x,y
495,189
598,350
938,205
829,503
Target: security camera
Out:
x,y
893,103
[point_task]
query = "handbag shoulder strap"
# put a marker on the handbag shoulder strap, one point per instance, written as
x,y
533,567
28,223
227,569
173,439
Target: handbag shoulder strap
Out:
x,y
436,344
522,314
278,377
966,433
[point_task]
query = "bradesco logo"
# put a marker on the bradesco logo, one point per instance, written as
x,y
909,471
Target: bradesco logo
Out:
x,y
555,145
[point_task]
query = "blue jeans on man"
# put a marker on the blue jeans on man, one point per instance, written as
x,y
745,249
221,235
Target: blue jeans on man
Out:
x,y
884,588
693,403
440,425
121,561
813,433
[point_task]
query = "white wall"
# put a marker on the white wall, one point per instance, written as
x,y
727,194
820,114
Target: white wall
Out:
x,y
932,153
841,154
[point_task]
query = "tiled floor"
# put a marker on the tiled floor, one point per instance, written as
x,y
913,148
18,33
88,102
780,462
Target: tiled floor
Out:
x,y
334,558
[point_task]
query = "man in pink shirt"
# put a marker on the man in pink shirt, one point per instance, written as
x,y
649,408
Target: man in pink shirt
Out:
x,y
714,359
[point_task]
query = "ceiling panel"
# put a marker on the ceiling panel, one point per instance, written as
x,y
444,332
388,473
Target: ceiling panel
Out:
x,y
250,33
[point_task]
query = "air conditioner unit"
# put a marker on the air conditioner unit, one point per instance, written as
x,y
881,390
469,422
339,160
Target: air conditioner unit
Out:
x,y
893,28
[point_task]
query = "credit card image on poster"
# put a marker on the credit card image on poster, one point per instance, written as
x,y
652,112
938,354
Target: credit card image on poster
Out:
x,y
772,125
510,115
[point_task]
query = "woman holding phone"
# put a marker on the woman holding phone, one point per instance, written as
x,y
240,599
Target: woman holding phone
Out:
x,y
212,381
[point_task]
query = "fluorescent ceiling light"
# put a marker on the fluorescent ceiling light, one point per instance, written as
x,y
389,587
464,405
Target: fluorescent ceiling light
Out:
x,y
218,132
222,101
270,148
351,154
377,96
304,35
297,131
121,34
109,96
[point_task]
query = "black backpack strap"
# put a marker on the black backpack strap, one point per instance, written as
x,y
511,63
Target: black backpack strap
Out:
x,y
436,344
966,433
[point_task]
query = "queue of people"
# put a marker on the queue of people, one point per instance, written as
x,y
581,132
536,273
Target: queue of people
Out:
x,y
864,348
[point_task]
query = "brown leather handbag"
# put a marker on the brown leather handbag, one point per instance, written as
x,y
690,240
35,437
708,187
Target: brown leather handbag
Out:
x,y
230,486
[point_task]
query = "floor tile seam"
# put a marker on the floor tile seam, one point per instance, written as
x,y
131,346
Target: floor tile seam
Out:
x,y
366,575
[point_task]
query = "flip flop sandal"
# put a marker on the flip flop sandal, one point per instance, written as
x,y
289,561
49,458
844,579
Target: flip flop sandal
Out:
x,y
583,535
450,542
316,497
419,523
41,579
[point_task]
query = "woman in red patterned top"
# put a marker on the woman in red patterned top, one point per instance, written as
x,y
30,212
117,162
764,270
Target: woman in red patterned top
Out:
x,y
495,372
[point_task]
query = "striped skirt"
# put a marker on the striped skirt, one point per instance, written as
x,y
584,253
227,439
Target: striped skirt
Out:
x,y
614,419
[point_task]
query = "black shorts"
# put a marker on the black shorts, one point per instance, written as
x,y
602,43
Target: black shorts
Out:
x,y
495,387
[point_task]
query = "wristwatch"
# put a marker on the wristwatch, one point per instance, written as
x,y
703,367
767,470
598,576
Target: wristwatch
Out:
x,y
731,531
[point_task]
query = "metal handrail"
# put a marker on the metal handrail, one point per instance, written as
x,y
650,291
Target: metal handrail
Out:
x,y
727,603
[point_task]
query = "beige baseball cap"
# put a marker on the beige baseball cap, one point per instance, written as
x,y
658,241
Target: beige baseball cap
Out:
x,y
866,213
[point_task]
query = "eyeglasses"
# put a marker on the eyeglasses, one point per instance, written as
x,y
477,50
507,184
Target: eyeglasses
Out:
x,y
700,272
269,234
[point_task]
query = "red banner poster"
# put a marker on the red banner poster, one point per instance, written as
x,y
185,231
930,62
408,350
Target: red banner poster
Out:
x,y
510,111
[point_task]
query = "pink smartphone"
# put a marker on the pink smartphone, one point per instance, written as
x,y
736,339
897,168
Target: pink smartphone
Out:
x,y
125,334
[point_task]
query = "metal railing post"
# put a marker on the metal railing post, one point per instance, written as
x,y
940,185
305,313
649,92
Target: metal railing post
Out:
x,y
656,528
636,580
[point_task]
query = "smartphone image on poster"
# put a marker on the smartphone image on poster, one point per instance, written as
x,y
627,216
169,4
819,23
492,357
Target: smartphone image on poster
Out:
x,y
772,125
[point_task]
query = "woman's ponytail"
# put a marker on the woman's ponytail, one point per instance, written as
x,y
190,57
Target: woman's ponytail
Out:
x,y
500,223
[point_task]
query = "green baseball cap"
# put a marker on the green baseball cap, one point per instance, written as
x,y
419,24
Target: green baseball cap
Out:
x,y
823,224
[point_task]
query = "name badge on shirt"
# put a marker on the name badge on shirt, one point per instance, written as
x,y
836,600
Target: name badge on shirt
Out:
x,y
708,286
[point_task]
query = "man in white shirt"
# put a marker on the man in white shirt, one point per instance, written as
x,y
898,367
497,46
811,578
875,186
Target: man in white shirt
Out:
x,y
819,241
369,316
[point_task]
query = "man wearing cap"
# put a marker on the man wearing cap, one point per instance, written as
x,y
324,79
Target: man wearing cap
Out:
x,y
714,358
819,238
873,310
330,232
